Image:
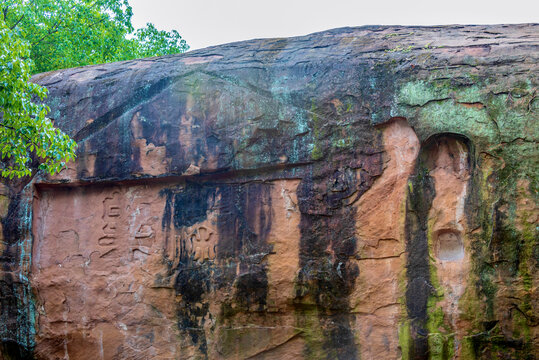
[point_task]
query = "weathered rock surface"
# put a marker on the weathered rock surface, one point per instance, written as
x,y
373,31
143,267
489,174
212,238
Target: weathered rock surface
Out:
x,y
360,193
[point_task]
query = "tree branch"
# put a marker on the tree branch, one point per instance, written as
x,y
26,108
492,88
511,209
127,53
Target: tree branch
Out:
x,y
17,23
30,140
4,12
54,28
51,31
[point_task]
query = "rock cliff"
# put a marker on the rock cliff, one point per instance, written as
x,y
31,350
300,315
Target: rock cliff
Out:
x,y
359,193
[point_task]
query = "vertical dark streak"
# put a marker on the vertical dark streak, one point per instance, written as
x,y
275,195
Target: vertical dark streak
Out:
x,y
327,277
16,337
243,224
183,208
418,204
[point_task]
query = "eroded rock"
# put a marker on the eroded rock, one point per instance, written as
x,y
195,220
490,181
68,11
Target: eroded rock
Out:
x,y
361,193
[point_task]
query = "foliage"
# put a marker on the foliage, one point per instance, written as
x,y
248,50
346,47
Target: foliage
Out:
x,y
153,42
69,33
24,128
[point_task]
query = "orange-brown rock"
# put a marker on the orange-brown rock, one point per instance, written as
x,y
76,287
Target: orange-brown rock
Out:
x,y
361,193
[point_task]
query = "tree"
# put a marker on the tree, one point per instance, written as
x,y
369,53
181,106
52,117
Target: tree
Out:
x,y
24,128
69,33
44,35
152,42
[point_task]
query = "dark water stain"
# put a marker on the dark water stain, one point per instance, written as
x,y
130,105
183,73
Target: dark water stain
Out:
x,y
11,350
496,253
339,340
11,232
191,205
327,276
243,223
184,207
112,152
417,268
140,95
16,331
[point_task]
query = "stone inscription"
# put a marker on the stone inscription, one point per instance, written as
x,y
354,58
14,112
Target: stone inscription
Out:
x,y
112,216
200,241
142,234
98,251
113,224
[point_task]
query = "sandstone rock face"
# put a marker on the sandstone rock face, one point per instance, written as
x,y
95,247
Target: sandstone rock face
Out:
x,y
360,193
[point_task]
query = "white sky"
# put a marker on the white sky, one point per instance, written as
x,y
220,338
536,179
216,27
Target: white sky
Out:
x,y
204,23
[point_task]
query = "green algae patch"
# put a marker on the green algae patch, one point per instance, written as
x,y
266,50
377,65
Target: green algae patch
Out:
x,y
317,153
439,109
486,113
437,346
419,93
4,205
448,117
467,350
439,342
308,322
405,340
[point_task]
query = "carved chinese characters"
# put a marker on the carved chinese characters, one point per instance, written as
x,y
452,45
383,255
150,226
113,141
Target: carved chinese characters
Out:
x,y
112,219
102,248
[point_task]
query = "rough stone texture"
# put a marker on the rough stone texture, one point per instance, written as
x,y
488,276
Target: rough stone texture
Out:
x,y
360,193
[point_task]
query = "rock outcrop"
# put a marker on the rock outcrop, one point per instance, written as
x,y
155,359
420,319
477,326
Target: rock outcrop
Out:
x,y
360,193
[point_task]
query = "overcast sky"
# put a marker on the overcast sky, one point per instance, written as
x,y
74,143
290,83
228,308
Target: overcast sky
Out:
x,y
204,23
